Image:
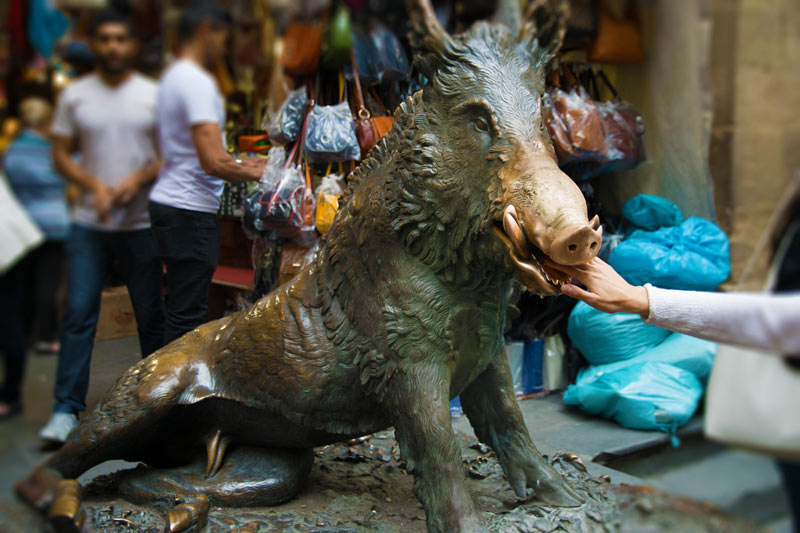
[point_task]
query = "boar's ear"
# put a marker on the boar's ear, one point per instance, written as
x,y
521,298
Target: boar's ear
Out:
x,y
431,43
543,27
509,14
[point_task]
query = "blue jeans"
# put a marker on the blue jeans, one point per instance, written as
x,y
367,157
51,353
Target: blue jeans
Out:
x,y
90,256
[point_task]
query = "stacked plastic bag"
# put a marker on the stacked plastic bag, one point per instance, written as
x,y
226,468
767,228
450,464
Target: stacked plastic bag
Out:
x,y
642,376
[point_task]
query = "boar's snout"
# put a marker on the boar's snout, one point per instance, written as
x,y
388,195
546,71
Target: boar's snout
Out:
x,y
577,244
545,225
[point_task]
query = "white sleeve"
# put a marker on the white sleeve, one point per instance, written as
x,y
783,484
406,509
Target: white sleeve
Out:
x,y
200,98
758,320
64,118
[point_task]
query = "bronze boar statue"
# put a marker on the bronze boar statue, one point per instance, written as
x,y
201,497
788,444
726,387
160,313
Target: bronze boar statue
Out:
x,y
403,308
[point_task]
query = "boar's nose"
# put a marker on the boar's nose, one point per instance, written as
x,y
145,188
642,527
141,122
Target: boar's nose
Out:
x,y
578,244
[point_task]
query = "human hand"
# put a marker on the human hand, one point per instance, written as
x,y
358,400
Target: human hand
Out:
x,y
124,191
102,199
606,290
256,166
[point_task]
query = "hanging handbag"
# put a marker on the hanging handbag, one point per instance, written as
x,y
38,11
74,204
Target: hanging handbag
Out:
x,y
623,127
367,60
618,41
393,64
283,201
369,129
572,121
285,124
331,134
338,41
302,45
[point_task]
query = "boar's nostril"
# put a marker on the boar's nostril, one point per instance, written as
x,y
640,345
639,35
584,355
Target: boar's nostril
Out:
x,y
573,247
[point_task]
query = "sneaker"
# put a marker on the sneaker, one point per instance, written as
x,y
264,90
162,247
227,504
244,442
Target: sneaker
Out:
x,y
59,427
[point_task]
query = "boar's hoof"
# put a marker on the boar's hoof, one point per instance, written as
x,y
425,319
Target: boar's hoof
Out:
x,y
66,514
559,494
191,513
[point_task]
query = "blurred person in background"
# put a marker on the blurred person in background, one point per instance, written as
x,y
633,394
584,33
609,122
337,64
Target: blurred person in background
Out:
x,y
29,168
109,118
766,321
185,199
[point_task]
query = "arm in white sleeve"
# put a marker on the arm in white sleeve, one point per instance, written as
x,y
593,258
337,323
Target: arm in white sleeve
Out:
x,y
757,320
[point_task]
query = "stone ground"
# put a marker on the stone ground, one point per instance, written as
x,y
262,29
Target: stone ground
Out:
x,y
361,486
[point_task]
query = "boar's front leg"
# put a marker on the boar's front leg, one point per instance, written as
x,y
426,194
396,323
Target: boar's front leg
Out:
x,y
492,409
421,415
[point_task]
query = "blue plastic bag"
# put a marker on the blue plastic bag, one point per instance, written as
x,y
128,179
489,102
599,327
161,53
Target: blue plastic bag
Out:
x,y
605,338
659,389
650,212
644,395
692,256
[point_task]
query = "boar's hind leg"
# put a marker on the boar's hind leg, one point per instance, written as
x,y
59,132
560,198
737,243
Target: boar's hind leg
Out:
x,y
492,409
421,415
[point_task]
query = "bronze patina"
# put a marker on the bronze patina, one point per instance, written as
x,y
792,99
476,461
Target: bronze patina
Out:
x,y
403,309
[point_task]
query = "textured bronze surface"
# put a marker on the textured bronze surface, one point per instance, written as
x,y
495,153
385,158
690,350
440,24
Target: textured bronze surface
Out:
x,y
403,308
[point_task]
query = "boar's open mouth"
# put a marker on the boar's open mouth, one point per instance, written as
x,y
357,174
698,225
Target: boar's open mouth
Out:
x,y
535,268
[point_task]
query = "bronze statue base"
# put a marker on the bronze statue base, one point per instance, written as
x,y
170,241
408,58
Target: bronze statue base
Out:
x,y
362,486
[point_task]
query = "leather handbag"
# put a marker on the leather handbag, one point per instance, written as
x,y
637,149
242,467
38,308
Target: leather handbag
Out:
x,y
369,129
573,122
302,45
623,127
618,41
393,62
367,59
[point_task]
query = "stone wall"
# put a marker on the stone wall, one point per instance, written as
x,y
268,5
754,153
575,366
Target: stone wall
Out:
x,y
755,136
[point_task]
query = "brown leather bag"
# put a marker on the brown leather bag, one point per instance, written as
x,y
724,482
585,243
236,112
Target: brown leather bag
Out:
x,y
369,130
302,46
618,41
573,122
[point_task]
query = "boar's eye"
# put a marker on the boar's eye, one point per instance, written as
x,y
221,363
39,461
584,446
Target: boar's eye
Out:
x,y
482,125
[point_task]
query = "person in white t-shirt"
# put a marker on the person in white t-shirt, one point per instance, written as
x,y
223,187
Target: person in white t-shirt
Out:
x,y
109,118
185,198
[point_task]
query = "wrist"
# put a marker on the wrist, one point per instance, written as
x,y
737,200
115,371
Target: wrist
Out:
x,y
640,302
96,186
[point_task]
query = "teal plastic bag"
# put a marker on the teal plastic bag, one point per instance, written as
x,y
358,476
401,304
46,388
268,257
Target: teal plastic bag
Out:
x,y
692,256
605,338
659,389
650,212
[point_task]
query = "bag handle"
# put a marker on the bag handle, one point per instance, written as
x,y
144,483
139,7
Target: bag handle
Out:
x,y
374,93
363,112
572,82
608,83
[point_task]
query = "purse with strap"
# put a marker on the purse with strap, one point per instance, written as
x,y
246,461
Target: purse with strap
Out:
x,y
369,129
753,395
